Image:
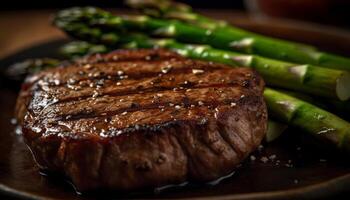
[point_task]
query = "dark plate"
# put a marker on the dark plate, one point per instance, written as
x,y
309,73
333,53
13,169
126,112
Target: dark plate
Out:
x,y
301,169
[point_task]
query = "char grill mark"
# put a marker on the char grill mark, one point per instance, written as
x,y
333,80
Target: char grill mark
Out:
x,y
140,91
116,57
145,91
155,83
156,99
120,71
119,74
149,85
182,105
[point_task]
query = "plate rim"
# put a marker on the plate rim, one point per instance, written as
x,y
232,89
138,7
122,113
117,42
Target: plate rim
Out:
x,y
314,191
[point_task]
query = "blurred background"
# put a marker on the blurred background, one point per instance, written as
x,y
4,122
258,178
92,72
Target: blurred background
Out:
x,y
24,23
22,4
324,11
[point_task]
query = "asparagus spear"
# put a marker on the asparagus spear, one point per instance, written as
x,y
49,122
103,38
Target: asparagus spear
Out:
x,y
339,107
314,80
232,39
308,118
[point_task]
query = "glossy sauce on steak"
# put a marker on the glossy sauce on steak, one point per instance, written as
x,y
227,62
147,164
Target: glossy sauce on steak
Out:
x,y
141,118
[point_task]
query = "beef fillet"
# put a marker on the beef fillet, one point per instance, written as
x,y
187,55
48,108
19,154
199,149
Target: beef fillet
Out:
x,y
141,118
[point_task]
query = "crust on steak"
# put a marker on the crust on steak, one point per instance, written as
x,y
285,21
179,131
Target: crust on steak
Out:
x,y
141,118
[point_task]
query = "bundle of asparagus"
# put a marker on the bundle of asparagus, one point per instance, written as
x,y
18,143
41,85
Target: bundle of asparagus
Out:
x,y
226,37
294,70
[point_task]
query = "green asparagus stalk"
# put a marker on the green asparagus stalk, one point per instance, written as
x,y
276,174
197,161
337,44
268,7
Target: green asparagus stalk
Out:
x,y
308,118
339,107
324,82
222,38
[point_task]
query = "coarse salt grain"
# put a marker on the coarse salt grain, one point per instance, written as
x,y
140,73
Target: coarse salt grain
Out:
x,y
264,159
252,158
197,71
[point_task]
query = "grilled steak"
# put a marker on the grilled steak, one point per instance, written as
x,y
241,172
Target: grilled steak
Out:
x,y
141,118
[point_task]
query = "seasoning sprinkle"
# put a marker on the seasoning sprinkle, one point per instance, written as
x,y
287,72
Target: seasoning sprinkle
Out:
x,y
87,66
272,157
197,71
95,94
252,158
120,73
264,159
166,69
